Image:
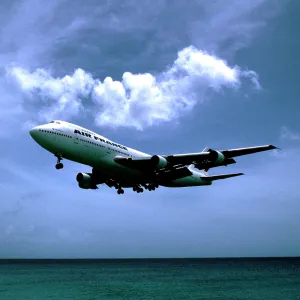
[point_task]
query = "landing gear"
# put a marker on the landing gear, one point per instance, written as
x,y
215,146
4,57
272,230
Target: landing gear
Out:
x,y
111,183
147,186
120,191
151,186
138,189
58,165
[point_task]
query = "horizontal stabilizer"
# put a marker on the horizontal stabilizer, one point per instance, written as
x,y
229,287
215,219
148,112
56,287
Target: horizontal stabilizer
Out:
x,y
223,176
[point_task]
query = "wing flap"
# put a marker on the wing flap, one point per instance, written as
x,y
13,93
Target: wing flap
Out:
x,y
139,163
174,174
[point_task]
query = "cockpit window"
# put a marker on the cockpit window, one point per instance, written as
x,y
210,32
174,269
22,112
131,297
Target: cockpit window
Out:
x,y
56,122
51,122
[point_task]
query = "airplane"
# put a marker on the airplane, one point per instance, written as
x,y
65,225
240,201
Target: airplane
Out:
x,y
122,167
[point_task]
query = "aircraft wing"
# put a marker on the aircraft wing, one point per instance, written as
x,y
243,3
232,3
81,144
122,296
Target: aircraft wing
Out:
x,y
206,159
139,163
210,158
245,151
168,171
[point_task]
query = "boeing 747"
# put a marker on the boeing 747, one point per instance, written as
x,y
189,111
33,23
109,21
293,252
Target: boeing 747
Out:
x,y
122,167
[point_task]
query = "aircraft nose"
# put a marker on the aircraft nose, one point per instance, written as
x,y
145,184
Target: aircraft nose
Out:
x,y
33,132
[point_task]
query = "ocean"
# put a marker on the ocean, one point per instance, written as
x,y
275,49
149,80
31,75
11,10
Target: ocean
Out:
x,y
225,279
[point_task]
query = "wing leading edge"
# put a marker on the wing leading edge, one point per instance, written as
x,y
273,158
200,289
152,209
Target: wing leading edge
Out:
x,y
208,158
208,154
246,151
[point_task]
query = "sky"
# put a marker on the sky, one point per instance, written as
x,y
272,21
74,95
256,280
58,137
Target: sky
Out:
x,y
162,77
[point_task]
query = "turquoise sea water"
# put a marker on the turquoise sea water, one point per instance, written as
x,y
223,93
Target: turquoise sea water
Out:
x,y
151,279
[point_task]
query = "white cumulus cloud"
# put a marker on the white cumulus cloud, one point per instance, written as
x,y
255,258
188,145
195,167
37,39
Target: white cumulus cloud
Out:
x,y
59,97
138,100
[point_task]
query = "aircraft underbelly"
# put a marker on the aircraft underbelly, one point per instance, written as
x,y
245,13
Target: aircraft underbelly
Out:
x,y
125,176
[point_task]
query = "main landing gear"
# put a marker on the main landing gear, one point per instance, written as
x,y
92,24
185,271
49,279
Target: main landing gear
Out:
x,y
111,183
58,165
120,191
138,189
149,187
152,187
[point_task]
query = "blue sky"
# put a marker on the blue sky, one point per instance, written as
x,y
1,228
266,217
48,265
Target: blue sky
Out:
x,y
163,77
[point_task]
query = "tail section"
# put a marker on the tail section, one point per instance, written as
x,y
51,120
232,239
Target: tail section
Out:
x,y
221,176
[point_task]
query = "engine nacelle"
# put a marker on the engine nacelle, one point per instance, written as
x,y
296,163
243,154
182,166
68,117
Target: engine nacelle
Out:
x,y
216,156
158,161
85,181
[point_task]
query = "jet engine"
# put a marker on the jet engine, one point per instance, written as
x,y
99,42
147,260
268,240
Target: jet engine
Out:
x,y
85,181
158,162
216,156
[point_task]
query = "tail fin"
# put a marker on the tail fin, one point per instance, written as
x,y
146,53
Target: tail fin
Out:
x,y
222,176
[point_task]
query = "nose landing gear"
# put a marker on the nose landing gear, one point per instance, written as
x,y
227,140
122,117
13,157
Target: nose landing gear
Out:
x,y
58,165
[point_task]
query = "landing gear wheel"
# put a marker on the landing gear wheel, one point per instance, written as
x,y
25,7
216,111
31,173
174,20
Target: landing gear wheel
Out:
x,y
120,191
151,187
59,166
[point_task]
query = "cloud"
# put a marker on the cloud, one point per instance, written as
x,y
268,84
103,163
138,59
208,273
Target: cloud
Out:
x,y
60,97
287,134
234,23
110,42
44,214
139,100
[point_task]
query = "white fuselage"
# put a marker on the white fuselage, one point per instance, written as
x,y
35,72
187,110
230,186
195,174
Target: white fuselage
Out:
x,y
81,145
